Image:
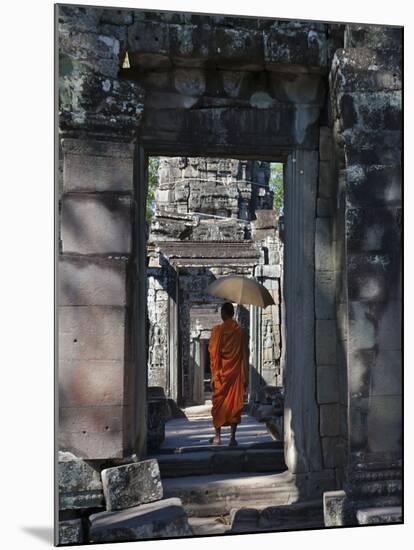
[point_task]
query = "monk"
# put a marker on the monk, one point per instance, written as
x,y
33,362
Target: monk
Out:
x,y
229,375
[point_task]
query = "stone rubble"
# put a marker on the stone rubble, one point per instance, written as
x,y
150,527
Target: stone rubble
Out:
x,y
131,484
162,519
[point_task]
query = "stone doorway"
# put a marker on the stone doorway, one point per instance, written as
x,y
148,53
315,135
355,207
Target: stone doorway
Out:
x,y
325,99
300,182
205,369
209,217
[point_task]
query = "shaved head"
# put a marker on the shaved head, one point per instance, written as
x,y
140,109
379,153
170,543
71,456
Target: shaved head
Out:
x,y
227,311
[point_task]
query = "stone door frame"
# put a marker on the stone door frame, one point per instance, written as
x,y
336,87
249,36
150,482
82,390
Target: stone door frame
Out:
x,y
302,439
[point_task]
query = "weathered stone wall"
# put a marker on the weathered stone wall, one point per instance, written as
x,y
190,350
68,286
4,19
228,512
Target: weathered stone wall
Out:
x,y
366,99
200,200
99,415
207,85
252,87
330,344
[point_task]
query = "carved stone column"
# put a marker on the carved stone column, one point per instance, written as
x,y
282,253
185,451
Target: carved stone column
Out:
x,y
302,442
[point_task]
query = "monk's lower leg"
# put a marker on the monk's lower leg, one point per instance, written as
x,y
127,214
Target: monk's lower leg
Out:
x,y
233,434
217,437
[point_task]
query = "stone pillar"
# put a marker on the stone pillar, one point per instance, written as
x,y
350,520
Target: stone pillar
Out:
x,y
331,382
302,441
366,91
101,264
95,302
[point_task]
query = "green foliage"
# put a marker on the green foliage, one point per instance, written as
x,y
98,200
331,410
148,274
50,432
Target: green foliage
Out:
x,y
153,168
276,184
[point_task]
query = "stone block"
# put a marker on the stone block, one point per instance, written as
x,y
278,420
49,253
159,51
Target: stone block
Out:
x,y
358,429
380,516
374,276
92,332
91,147
373,36
325,294
334,452
327,384
302,47
390,325
276,126
342,374
101,100
362,330
371,110
342,320
325,208
228,462
327,179
91,281
269,271
335,509
244,520
163,519
99,419
91,445
373,229
80,484
91,383
149,44
314,484
330,420
275,293
184,464
384,423
326,340
85,19
117,16
164,100
71,532
240,48
97,166
324,250
190,82
264,460
131,484
158,413
93,50
265,219
372,147
386,373
361,363
96,224
364,69
373,185
366,61
326,152
375,324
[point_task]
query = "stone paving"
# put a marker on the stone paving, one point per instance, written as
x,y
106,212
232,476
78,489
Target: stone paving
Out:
x,y
196,429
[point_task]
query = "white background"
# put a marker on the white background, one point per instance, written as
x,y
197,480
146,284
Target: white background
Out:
x,y
26,133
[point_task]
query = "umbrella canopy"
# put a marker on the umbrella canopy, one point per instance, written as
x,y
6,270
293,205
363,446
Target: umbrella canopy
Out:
x,y
241,290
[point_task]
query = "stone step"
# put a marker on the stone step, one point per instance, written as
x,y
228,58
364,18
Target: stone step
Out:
x,y
209,525
217,449
299,515
162,519
217,495
380,515
219,462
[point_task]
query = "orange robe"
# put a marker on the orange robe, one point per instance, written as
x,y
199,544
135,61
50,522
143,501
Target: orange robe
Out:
x,y
228,358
